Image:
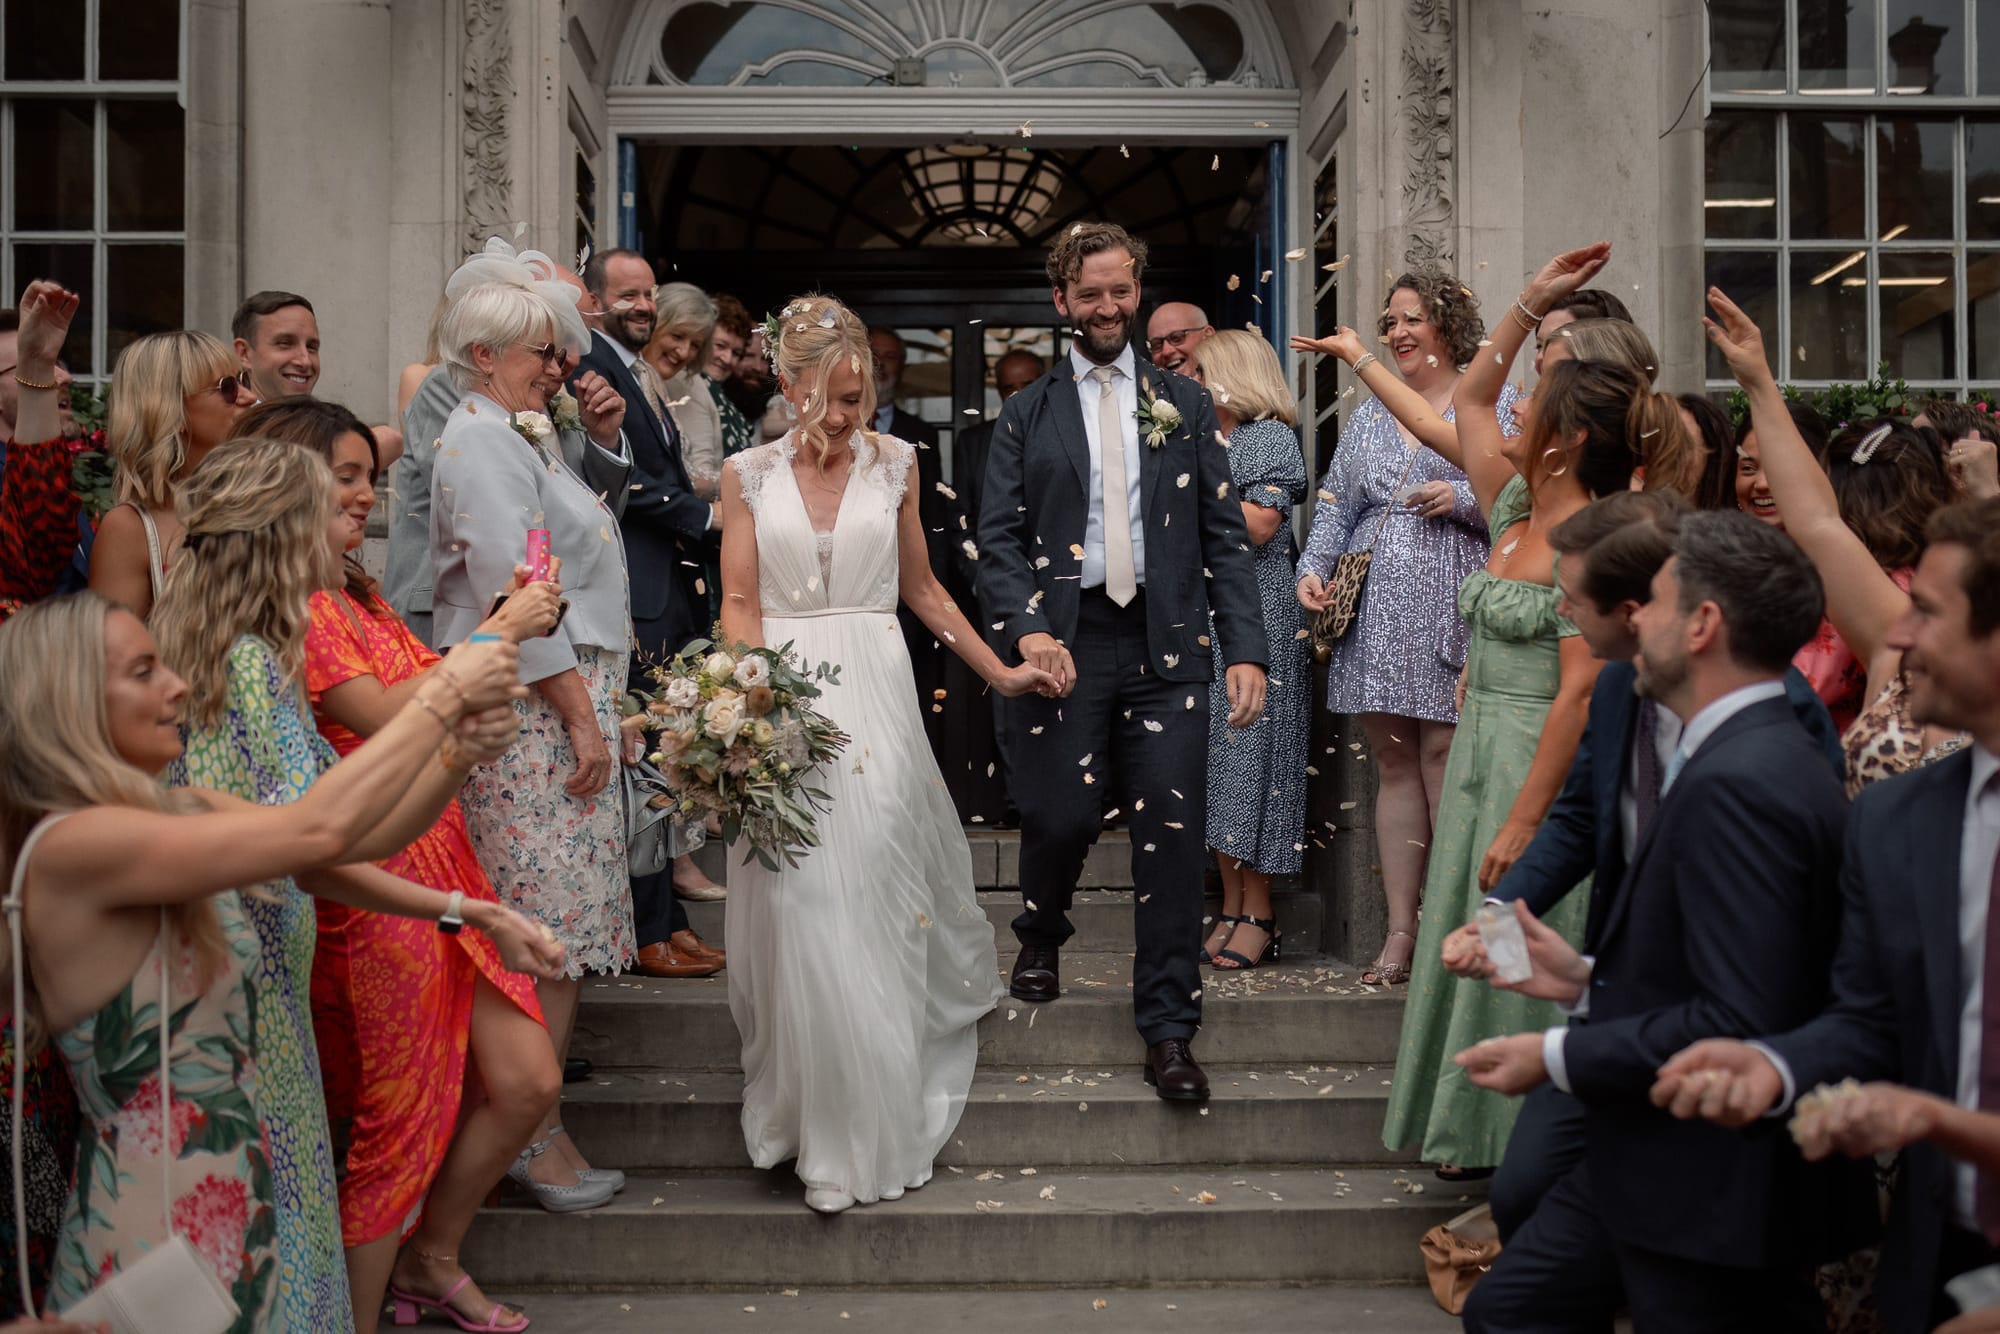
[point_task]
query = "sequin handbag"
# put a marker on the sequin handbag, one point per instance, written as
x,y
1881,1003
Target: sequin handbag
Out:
x,y
1343,588
170,1287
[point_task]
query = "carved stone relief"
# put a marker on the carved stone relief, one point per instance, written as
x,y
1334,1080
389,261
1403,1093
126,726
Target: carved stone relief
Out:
x,y
486,101
1425,119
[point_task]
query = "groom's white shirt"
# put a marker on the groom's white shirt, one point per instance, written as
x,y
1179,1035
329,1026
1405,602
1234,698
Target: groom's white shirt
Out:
x,y
1126,386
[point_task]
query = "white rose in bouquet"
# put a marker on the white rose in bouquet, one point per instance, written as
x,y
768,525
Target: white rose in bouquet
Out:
x,y
752,671
724,718
719,666
682,693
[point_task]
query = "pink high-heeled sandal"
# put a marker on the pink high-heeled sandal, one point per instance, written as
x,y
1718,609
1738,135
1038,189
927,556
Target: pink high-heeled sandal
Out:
x,y
410,1308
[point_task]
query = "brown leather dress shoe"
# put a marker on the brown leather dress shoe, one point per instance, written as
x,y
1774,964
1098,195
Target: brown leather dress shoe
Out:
x,y
1171,1070
688,944
660,959
1034,976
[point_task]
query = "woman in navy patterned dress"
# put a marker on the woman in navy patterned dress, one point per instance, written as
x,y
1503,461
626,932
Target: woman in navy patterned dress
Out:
x,y
1256,775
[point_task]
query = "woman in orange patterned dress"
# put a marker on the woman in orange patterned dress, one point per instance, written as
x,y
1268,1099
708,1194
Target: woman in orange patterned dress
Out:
x,y
411,1022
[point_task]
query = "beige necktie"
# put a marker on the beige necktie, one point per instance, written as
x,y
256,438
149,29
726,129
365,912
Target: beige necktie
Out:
x,y
1121,581
650,387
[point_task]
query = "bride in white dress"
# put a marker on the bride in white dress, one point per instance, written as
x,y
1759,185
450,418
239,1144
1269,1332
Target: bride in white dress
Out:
x,y
857,977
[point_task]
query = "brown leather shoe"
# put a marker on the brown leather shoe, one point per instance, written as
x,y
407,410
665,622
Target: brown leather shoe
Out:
x,y
688,944
660,959
1171,1070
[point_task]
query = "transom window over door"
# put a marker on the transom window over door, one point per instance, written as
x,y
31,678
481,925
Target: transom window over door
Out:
x,y
92,150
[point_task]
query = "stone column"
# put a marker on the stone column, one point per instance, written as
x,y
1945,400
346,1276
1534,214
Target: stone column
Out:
x,y
213,268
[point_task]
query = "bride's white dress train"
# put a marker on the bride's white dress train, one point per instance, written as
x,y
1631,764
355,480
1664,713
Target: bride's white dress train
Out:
x,y
856,978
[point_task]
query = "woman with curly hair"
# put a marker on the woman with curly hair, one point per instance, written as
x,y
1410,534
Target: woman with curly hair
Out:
x,y
1398,665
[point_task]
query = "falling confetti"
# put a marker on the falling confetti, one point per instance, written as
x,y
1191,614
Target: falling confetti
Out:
x,y
1235,281
1294,256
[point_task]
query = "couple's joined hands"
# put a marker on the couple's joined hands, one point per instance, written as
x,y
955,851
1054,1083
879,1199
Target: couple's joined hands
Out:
x,y
1055,677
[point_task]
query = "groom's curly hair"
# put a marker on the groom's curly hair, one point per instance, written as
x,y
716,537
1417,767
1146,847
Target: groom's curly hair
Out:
x,y
1084,239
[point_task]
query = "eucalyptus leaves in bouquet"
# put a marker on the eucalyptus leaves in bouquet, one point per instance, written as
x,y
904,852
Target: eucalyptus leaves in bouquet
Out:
x,y
734,731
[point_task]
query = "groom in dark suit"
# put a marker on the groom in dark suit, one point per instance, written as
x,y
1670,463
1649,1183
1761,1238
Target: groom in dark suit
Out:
x,y
1108,531
1723,925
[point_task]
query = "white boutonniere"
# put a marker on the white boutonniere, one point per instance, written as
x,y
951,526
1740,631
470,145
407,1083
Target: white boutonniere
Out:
x,y
563,408
1158,417
534,427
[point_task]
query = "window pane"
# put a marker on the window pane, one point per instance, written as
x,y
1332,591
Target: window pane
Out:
x,y
1829,318
1988,46
1746,43
1982,176
138,39
1750,279
1919,325
144,173
1829,171
1913,187
145,293
70,266
44,40
1926,42
1982,282
1837,45
53,182
1740,193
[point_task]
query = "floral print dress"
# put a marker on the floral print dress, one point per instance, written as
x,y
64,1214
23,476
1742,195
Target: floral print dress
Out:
x,y
264,749
222,1186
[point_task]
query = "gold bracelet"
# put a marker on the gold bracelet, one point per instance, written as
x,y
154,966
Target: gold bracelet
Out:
x,y
1526,318
431,709
26,383
1363,362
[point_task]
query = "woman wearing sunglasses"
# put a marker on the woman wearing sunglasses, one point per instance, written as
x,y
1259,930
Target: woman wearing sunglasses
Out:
x,y
178,396
547,819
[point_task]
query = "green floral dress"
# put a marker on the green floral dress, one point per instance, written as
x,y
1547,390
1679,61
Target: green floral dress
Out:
x,y
1511,676
221,1175
265,749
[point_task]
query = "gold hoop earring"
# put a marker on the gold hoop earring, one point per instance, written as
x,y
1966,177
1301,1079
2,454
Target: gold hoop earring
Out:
x,y
1559,467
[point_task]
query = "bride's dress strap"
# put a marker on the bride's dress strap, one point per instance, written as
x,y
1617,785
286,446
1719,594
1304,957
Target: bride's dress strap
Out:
x,y
756,467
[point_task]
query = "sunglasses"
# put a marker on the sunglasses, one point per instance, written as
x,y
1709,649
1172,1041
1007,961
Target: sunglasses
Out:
x,y
550,354
235,390
1177,337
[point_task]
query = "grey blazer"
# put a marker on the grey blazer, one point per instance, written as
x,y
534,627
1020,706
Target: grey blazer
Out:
x,y
489,486
406,574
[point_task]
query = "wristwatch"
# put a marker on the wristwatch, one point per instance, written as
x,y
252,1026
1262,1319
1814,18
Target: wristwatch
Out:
x,y
451,923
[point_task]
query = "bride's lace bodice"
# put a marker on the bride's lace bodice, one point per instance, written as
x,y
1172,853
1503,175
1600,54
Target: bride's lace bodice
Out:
x,y
854,567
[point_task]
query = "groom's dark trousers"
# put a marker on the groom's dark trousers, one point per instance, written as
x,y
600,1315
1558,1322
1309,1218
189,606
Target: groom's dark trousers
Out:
x,y
1112,735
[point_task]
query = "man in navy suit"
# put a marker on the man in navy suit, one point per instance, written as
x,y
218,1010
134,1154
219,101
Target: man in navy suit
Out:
x,y
1108,533
668,532
1723,925
1914,984
1606,557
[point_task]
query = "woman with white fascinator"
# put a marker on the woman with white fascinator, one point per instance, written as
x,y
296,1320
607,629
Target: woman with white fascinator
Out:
x,y
588,423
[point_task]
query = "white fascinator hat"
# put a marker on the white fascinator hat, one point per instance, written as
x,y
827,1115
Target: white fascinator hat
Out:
x,y
500,262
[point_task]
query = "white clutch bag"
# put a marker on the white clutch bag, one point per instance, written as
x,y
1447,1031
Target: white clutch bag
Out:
x,y
171,1289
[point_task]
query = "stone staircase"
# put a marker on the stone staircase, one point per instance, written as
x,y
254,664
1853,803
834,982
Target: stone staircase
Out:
x,y
1066,1172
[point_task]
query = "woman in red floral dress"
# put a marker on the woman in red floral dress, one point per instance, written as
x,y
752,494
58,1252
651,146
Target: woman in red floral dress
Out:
x,y
407,1018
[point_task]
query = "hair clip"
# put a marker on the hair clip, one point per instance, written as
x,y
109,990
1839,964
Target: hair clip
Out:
x,y
1870,443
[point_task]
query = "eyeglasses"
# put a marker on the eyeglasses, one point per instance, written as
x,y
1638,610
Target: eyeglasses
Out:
x,y
236,391
1177,337
550,354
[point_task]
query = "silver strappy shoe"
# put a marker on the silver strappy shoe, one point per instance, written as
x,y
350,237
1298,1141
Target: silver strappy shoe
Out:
x,y
585,1194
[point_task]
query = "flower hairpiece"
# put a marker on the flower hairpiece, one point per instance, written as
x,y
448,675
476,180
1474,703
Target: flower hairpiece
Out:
x,y
1870,443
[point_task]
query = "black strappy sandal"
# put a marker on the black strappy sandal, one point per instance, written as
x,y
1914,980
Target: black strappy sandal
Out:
x,y
1237,963
1220,919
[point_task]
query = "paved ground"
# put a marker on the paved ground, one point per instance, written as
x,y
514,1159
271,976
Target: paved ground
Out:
x,y
1317,1310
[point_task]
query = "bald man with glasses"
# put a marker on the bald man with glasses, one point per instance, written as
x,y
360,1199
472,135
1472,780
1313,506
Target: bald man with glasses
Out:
x,y
1173,334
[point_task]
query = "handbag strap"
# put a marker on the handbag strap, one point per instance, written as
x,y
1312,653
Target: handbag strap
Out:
x,y
1390,506
12,906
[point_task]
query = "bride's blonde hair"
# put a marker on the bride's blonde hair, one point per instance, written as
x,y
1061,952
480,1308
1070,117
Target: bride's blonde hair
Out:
x,y
256,515
815,334
57,754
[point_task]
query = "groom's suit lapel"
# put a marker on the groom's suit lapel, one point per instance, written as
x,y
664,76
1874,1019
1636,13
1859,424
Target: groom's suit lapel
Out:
x,y
1066,405
1152,384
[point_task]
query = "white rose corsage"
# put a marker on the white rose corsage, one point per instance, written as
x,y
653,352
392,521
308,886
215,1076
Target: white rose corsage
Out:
x,y
563,408
1158,417
534,427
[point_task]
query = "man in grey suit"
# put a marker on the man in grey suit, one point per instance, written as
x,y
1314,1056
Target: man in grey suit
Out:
x,y
1108,531
597,454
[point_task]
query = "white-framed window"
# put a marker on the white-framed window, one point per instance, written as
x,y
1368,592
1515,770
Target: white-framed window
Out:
x,y
1852,186
93,160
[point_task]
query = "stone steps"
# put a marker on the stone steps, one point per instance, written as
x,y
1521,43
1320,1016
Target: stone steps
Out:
x,y
748,1228
1288,1014
1373,1308
653,1120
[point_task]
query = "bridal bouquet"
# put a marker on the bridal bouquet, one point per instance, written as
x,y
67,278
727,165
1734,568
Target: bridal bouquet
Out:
x,y
735,734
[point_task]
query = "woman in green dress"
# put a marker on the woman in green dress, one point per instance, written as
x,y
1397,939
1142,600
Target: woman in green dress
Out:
x,y
1585,432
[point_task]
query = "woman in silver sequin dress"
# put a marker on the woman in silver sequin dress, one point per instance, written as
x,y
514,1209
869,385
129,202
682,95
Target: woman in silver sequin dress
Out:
x,y
1398,666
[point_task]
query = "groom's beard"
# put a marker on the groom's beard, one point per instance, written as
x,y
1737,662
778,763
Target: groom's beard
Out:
x,y
1103,346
